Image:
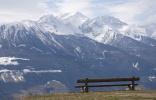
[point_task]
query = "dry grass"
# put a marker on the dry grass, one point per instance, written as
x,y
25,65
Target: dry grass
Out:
x,y
106,95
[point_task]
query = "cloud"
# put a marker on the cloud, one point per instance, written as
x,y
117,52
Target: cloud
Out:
x,y
134,11
69,6
130,11
16,10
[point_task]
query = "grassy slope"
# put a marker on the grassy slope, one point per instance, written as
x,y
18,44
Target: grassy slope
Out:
x,y
106,95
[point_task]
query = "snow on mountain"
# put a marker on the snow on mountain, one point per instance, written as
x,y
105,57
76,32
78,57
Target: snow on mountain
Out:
x,y
108,20
11,75
29,23
41,71
8,30
10,60
152,78
51,24
138,31
13,33
18,75
76,19
134,32
150,30
102,29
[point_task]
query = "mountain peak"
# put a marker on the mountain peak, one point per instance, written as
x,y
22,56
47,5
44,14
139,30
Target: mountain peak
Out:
x,y
108,20
76,18
46,18
71,15
29,23
77,13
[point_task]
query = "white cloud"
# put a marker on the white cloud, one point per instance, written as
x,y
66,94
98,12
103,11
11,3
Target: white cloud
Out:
x,y
83,6
16,10
131,11
134,11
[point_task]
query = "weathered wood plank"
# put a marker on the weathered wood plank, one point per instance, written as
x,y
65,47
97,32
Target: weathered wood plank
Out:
x,y
105,85
108,80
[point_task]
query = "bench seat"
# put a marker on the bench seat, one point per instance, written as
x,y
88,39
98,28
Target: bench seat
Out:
x,y
109,85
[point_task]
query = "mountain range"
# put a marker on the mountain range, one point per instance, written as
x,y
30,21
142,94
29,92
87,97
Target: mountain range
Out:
x,y
49,55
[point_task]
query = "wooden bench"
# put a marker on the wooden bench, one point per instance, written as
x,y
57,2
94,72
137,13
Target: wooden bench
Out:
x,y
85,87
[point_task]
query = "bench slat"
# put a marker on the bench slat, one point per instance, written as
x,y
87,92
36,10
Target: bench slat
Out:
x,y
105,85
107,80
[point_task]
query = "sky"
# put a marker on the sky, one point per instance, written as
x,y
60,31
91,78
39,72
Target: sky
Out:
x,y
129,11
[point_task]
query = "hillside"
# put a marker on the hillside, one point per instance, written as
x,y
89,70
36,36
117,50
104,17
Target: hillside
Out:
x,y
107,95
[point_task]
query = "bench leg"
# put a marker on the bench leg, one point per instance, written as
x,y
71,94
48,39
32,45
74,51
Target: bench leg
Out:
x,y
82,89
129,87
133,86
86,89
86,85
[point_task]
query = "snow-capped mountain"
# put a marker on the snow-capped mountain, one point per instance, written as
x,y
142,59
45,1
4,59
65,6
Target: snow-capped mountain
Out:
x,y
102,29
138,31
105,28
51,24
29,23
76,18
50,54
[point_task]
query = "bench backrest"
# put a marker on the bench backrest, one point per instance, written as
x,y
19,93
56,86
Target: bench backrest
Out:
x,y
107,80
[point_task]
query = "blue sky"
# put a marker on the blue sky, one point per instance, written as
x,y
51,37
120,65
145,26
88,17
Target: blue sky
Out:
x,y
130,11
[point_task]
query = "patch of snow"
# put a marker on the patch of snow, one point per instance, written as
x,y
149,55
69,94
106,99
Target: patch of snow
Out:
x,y
57,42
82,55
48,82
134,31
10,60
4,70
11,75
2,76
26,71
14,77
53,50
29,23
152,77
152,45
138,55
101,33
76,19
101,64
78,49
100,58
105,51
56,81
37,49
51,24
17,76
41,71
0,46
135,65
22,45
